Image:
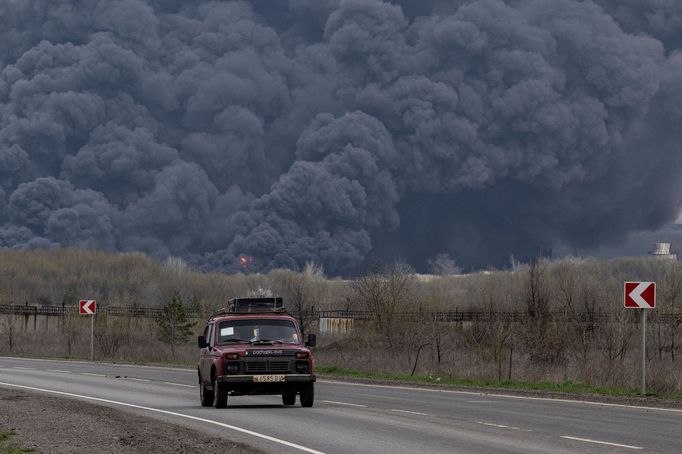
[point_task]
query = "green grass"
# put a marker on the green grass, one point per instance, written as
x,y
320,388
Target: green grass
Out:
x,y
565,387
7,447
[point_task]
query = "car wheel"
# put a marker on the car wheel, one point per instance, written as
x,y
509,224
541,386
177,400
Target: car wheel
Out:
x,y
289,398
205,395
219,395
308,395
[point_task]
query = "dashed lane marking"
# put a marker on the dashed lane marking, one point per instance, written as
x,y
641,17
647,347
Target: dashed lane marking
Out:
x,y
93,375
502,426
178,384
59,371
343,403
410,412
587,440
171,413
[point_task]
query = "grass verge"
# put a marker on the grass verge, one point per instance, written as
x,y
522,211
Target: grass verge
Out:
x,y
8,447
565,387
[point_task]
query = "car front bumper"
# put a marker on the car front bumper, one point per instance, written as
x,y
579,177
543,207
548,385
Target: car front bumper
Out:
x,y
248,379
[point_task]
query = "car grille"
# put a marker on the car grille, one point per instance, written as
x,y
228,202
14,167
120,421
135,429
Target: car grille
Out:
x,y
279,366
263,367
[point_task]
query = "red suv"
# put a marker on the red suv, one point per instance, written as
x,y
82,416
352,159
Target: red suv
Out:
x,y
255,348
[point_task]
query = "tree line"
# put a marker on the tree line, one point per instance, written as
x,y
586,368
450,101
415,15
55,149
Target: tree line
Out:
x,y
564,334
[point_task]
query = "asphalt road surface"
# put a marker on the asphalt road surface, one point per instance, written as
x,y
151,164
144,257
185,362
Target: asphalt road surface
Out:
x,y
357,418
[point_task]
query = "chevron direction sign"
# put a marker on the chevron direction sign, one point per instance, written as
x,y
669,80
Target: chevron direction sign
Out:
x,y
640,295
87,307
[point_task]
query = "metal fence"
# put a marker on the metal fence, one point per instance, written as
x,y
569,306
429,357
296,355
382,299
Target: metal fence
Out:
x,y
439,316
125,311
509,316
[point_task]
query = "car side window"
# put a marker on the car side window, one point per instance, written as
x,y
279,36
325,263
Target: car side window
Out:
x,y
209,337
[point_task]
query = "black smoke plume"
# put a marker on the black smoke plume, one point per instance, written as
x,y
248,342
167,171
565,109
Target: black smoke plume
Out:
x,y
339,131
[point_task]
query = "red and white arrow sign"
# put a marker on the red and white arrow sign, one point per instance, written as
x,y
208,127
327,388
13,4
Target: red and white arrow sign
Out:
x,y
640,295
87,307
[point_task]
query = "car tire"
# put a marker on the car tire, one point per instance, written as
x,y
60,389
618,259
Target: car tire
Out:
x,y
205,395
219,395
289,398
308,395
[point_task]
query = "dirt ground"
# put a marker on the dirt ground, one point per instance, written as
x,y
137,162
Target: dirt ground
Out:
x,y
56,425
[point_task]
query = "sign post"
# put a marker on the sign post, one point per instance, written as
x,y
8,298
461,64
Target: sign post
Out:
x,y
642,374
642,296
89,307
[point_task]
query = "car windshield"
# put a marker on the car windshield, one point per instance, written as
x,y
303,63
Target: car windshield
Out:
x,y
257,330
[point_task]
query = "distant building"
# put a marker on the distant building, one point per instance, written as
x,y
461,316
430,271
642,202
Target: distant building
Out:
x,y
662,251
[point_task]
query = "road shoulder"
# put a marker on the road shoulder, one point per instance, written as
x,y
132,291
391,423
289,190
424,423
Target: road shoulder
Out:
x,y
59,425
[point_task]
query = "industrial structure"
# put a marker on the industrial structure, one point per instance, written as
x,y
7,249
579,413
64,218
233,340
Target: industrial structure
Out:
x,y
662,251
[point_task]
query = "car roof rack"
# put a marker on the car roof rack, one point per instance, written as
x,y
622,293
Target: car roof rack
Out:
x,y
262,305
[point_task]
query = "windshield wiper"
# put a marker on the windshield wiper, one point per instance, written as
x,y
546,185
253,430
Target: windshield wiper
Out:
x,y
233,340
265,341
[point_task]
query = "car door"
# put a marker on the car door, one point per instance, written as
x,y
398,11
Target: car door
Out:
x,y
205,356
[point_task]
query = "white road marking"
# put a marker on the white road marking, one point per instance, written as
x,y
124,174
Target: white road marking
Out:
x,y
60,371
171,413
139,379
481,401
502,426
333,382
343,403
178,384
23,368
506,396
93,375
410,412
587,440
177,369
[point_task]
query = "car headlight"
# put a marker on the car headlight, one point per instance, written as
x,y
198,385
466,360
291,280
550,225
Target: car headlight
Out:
x,y
302,367
232,367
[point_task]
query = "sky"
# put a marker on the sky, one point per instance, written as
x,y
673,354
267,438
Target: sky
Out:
x,y
342,132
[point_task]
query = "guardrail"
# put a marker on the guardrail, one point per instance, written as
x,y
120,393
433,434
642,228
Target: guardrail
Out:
x,y
439,316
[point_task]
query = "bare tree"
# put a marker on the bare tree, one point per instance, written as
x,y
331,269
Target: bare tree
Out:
x,y
9,326
384,294
536,295
7,296
671,292
615,334
301,292
71,328
110,334
545,334
493,333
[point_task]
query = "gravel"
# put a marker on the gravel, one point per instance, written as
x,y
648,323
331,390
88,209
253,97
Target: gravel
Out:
x,y
59,425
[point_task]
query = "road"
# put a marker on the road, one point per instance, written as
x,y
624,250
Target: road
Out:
x,y
357,418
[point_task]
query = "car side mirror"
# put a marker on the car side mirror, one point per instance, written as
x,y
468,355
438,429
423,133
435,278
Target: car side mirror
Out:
x,y
312,340
202,342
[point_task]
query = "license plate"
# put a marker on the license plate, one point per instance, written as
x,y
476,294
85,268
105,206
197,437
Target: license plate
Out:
x,y
267,378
